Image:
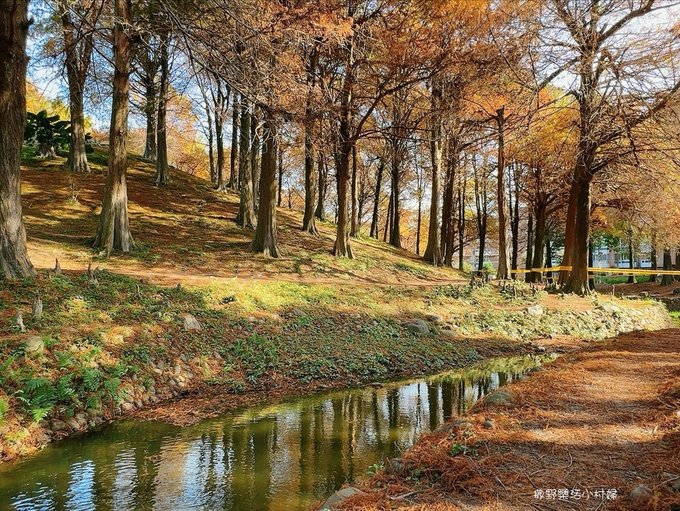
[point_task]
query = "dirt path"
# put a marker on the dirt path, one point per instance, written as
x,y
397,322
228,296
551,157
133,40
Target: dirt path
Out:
x,y
598,429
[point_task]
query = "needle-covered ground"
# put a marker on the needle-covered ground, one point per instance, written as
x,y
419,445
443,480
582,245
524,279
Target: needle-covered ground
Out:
x,y
597,429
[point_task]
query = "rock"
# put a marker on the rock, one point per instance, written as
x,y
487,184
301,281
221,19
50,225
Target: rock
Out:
x,y
435,318
92,412
82,419
499,398
418,326
34,344
644,294
190,323
340,496
540,349
127,407
456,426
58,425
73,424
394,466
676,291
448,333
535,311
488,423
641,496
139,404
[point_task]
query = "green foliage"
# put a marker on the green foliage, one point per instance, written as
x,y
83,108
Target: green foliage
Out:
x,y
45,129
4,408
257,353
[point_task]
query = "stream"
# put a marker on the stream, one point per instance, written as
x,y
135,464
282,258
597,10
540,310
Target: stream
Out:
x,y
279,457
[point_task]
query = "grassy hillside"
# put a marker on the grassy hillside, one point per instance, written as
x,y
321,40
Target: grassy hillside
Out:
x,y
188,230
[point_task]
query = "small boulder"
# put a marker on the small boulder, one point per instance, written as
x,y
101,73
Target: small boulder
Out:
x,y
435,318
488,423
535,311
190,323
58,425
339,497
127,407
499,398
644,294
418,326
676,291
394,467
641,496
34,344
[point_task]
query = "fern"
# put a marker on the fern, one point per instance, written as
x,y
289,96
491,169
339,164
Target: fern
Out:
x,y
92,379
41,412
4,408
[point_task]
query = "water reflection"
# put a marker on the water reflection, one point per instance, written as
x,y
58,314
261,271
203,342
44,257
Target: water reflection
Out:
x,y
282,457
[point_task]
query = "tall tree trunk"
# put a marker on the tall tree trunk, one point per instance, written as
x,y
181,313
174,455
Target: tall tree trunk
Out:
x,y
265,234
162,165
376,198
539,238
420,217
14,261
219,136
591,279
278,199
113,232
255,155
462,190
77,64
652,258
433,251
354,227
514,222
448,205
577,281
388,217
246,211
308,221
320,212
234,153
631,263
500,198
395,231
150,109
667,280
211,145
528,277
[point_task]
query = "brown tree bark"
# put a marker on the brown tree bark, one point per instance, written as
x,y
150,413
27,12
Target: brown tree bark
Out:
x,y
113,232
500,198
14,261
255,155
530,248
162,165
234,154
246,211
354,226
320,212
280,169
149,65
77,56
376,198
652,257
667,280
265,235
308,221
433,252
631,262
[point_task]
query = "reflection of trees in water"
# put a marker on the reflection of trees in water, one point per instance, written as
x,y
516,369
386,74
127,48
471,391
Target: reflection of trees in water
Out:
x,y
433,404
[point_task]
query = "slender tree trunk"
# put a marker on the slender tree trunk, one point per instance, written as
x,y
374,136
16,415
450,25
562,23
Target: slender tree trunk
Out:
x,y
255,155
528,277
420,218
448,205
376,199
500,198
278,199
320,212
433,251
150,108
113,232
219,136
234,154
211,145
539,238
308,221
462,190
514,222
14,261
162,165
631,263
388,218
354,227
591,280
265,234
77,64
652,258
246,213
